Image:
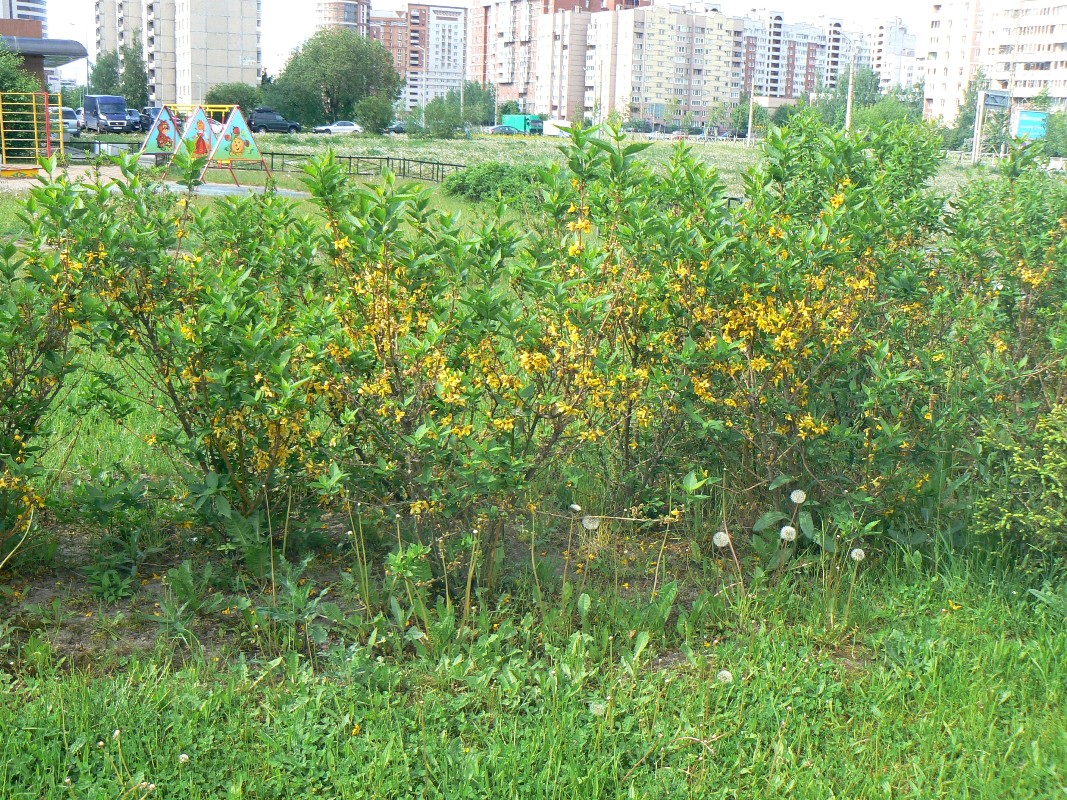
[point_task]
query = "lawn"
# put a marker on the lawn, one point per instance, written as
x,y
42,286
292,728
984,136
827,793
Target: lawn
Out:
x,y
941,685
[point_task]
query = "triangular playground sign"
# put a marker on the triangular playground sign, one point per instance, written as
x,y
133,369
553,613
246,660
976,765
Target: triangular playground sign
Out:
x,y
162,135
235,143
198,131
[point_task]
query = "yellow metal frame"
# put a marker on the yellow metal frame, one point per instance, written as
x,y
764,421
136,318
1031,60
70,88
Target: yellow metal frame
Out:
x,y
185,109
26,128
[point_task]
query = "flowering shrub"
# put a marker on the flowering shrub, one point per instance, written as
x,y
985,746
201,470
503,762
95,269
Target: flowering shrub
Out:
x,y
35,358
203,322
841,329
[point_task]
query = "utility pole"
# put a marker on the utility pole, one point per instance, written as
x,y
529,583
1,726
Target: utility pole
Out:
x,y
751,105
979,125
851,85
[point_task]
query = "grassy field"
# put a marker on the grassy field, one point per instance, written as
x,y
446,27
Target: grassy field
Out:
x,y
942,686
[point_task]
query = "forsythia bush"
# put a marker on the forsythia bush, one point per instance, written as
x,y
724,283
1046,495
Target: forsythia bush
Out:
x,y
843,328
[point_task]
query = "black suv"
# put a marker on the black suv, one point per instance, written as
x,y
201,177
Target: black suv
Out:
x,y
267,120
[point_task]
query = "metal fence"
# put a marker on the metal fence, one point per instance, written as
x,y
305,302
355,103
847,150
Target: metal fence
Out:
x,y
371,166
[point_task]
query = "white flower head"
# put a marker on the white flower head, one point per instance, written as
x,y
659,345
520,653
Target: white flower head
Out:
x,y
798,496
590,523
115,735
788,533
577,509
721,539
724,676
598,708
183,758
857,555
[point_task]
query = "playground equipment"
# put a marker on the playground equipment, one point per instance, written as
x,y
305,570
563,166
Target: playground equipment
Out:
x,y
29,132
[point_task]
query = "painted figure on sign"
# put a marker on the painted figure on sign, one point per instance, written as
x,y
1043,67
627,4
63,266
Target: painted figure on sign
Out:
x,y
237,144
163,139
200,145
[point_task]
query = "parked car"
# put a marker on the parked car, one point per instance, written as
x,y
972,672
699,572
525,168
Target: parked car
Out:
x,y
504,130
341,126
267,120
80,112
133,120
396,127
65,118
148,116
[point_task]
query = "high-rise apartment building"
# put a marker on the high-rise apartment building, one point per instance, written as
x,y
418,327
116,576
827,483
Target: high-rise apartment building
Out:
x,y
893,55
561,63
36,10
429,47
663,63
1024,49
351,14
783,61
953,56
502,42
189,46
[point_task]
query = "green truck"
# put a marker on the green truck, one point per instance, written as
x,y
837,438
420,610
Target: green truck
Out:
x,y
523,123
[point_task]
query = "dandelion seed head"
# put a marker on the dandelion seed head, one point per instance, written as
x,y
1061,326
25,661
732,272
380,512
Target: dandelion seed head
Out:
x,y
788,533
724,676
598,709
721,539
183,758
577,509
857,555
590,523
798,496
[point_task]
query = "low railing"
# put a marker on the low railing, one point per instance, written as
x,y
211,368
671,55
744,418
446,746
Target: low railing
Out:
x,y
371,166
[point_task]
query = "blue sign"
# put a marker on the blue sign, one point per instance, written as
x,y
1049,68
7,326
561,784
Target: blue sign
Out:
x,y
1029,124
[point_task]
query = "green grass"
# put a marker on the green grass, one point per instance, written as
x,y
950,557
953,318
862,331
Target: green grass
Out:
x,y
10,208
943,686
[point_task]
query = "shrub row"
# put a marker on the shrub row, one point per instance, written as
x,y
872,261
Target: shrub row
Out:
x,y
646,349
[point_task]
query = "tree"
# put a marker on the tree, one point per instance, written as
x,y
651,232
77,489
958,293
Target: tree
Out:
x,y
330,73
104,78
234,94
888,109
1056,138
133,85
441,117
507,107
739,117
13,78
1042,100
964,129
479,103
866,91
375,113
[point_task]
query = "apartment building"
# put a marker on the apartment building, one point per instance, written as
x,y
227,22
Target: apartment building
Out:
x,y
350,14
663,63
953,56
893,55
561,64
189,45
428,45
1024,49
35,10
783,61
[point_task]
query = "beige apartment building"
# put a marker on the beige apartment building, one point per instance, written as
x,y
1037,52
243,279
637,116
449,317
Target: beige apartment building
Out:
x,y
663,63
1025,49
561,59
1020,45
189,45
429,47
351,14
953,56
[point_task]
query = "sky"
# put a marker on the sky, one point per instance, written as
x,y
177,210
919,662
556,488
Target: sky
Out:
x,y
285,28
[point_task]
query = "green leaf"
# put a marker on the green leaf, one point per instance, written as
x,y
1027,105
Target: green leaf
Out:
x,y
768,519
